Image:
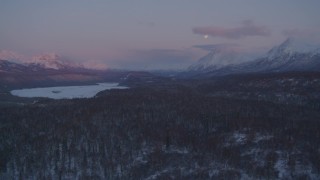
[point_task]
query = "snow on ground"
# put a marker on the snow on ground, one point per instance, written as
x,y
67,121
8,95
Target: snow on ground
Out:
x,y
239,138
262,137
66,92
173,149
158,174
281,167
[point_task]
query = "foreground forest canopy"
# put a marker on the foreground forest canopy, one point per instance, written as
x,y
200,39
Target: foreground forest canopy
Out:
x,y
170,131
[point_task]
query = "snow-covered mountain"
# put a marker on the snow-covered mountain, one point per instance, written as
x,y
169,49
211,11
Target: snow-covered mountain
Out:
x,y
12,56
47,62
288,56
53,61
291,56
219,58
11,67
16,75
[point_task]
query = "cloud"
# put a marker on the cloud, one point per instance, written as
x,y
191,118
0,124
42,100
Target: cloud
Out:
x,y
248,28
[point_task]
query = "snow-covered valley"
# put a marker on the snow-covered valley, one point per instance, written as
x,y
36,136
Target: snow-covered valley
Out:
x,y
66,92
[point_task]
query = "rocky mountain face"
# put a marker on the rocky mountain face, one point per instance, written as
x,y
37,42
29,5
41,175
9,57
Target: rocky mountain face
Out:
x,y
288,56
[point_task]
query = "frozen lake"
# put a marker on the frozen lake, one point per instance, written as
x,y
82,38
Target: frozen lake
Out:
x,y
66,92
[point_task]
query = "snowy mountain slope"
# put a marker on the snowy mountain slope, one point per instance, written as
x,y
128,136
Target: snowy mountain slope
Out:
x,y
291,56
45,62
217,59
288,56
34,74
14,75
11,56
53,61
8,66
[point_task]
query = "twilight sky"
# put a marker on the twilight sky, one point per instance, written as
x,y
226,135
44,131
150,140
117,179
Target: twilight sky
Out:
x,y
150,34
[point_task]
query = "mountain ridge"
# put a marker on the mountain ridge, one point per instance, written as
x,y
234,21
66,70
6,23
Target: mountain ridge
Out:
x,y
287,56
217,58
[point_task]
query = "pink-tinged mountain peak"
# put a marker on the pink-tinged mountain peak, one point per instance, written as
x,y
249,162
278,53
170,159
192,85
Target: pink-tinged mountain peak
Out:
x,y
54,61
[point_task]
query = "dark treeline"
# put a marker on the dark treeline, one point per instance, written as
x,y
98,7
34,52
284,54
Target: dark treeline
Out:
x,y
143,133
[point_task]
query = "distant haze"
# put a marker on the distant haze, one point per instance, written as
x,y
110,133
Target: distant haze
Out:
x,y
148,34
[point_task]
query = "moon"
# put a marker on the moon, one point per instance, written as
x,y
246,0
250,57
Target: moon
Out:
x,y
206,36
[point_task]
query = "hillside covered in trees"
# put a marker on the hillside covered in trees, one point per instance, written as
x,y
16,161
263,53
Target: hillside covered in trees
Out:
x,y
160,133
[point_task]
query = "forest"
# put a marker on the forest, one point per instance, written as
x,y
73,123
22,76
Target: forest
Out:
x,y
160,132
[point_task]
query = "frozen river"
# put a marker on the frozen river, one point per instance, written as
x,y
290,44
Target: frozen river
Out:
x,y
66,92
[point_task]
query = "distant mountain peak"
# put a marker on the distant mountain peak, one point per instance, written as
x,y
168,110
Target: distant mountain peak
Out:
x,y
291,47
284,49
46,57
53,61
218,58
50,61
289,41
290,55
11,56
